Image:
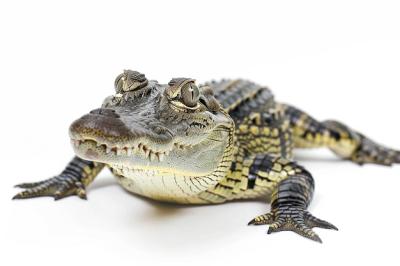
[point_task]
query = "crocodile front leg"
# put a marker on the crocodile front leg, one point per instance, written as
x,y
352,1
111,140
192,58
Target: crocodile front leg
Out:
x,y
290,198
73,180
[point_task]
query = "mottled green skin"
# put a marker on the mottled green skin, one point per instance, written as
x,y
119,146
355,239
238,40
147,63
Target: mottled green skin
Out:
x,y
246,151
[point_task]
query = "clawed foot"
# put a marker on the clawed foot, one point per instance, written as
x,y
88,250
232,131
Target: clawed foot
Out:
x,y
371,152
57,187
367,151
294,219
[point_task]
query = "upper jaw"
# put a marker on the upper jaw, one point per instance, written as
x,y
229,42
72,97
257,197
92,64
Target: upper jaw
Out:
x,y
94,150
92,143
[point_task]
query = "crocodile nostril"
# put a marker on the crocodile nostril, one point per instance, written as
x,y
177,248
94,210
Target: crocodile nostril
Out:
x,y
105,112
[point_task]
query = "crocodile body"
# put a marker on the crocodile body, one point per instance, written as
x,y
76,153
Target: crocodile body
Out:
x,y
218,142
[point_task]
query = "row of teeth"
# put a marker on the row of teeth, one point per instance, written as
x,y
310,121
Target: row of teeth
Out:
x,y
141,148
183,146
127,170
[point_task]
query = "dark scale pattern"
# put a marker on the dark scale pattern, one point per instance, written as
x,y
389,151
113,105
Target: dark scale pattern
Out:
x,y
241,97
290,198
308,131
261,166
260,163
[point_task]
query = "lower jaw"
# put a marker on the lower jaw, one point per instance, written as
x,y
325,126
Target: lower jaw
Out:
x,y
164,186
138,170
155,171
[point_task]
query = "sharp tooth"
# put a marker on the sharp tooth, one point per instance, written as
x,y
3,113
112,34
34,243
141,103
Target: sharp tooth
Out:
x,y
146,152
108,150
153,156
118,151
129,151
167,153
160,156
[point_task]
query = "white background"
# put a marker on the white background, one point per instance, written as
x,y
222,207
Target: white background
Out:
x,y
336,59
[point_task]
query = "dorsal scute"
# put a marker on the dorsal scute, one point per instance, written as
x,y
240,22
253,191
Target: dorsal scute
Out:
x,y
241,97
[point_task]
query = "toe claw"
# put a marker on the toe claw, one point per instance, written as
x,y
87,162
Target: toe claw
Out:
x,y
273,228
28,185
60,193
57,197
315,238
270,230
32,184
313,221
81,193
23,195
17,196
252,222
262,219
26,194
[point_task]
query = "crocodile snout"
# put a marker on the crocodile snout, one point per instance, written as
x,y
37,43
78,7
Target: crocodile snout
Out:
x,y
100,123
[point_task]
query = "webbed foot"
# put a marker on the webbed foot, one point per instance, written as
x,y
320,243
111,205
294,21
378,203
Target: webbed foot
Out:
x,y
289,218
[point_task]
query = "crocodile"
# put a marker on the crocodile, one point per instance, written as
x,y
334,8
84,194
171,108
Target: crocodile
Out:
x,y
206,144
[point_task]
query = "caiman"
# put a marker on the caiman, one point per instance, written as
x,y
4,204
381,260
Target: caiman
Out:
x,y
206,144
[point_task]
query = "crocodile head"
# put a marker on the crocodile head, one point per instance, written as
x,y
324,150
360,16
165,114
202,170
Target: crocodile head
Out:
x,y
177,129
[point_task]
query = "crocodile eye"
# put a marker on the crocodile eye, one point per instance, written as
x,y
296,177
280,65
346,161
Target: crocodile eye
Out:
x,y
190,94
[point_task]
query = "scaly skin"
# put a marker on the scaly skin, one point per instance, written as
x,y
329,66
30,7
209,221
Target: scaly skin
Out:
x,y
219,142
